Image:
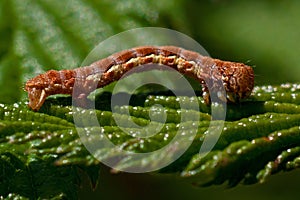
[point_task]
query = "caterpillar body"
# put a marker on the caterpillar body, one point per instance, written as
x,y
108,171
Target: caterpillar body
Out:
x,y
237,78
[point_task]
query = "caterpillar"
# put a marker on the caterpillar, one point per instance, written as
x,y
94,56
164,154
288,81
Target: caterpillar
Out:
x,y
236,78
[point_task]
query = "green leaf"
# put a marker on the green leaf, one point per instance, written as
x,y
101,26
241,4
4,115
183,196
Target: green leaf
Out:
x,y
256,146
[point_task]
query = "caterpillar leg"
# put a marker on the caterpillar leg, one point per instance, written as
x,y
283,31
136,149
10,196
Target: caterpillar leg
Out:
x,y
217,95
82,101
36,98
205,94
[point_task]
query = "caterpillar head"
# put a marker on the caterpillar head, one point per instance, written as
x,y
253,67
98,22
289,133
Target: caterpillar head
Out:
x,y
38,88
44,85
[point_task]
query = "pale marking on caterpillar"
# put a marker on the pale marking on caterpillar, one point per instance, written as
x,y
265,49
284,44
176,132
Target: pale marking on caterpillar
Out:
x,y
237,78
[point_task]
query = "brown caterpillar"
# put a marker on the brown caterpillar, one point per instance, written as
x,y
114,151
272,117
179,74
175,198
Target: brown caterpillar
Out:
x,y
237,78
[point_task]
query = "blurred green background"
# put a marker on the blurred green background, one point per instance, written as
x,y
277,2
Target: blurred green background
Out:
x,y
38,35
